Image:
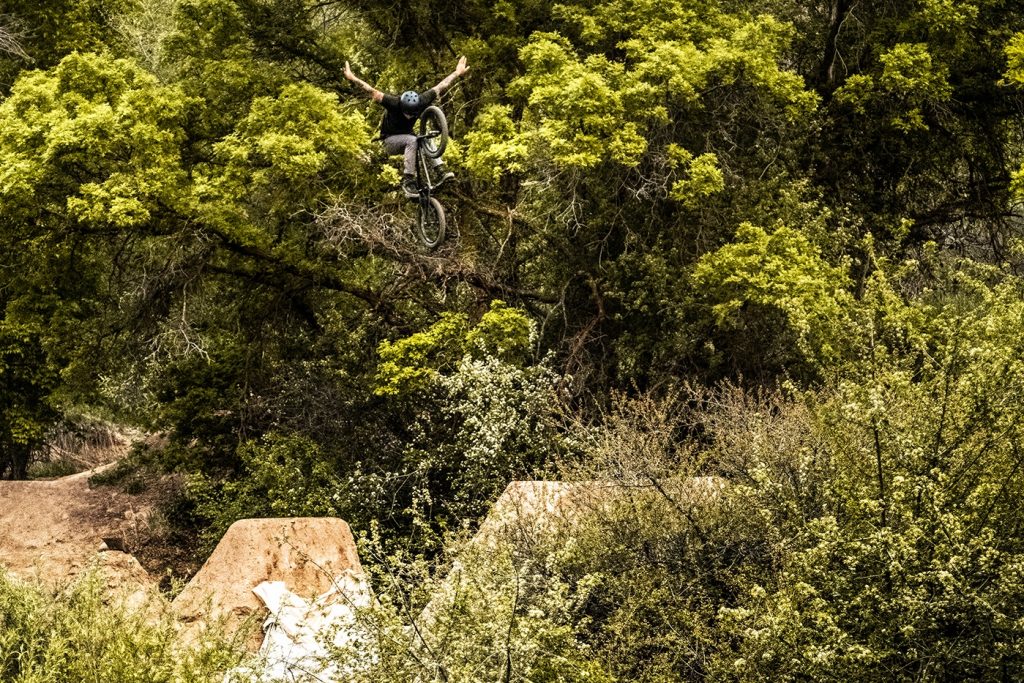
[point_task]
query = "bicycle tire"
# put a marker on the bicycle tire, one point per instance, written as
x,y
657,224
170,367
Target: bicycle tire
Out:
x,y
432,223
433,119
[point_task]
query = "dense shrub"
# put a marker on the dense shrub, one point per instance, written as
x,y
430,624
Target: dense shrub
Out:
x,y
84,633
867,530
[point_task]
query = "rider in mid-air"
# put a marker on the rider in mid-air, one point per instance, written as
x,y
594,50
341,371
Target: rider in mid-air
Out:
x,y
400,113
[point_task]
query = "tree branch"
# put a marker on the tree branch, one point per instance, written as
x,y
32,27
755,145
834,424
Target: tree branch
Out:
x,y
826,72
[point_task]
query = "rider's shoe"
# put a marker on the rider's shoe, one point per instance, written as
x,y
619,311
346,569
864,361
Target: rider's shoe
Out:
x,y
444,174
409,186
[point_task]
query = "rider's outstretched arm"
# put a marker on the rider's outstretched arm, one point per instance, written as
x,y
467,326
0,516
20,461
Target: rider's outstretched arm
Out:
x,y
450,78
375,95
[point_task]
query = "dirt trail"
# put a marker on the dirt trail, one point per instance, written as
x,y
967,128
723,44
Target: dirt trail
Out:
x,y
52,530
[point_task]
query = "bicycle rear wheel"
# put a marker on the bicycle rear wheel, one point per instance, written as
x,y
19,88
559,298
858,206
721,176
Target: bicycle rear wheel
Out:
x,y
432,120
432,223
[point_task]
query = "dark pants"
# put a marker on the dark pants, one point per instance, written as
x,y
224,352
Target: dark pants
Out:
x,y
406,146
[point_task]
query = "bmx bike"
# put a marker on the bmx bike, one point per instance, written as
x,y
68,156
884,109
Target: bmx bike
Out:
x,y
431,140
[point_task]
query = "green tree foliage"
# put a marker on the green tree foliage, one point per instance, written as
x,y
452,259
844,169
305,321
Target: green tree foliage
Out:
x,y
100,169
45,32
1015,75
282,477
475,408
914,101
411,363
28,378
462,411
630,132
773,287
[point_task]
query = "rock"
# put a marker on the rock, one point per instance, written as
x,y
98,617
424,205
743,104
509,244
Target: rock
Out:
x,y
127,582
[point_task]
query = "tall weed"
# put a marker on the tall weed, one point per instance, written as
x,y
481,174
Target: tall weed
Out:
x,y
82,634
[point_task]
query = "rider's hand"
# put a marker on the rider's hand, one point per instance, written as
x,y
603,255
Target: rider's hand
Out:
x,y
461,68
348,72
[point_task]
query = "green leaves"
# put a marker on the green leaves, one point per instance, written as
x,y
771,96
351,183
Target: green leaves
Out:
x,y
409,364
504,333
287,154
98,132
93,628
1015,75
28,377
1015,59
948,15
584,107
495,148
910,81
295,136
761,276
283,475
702,176
112,198
577,106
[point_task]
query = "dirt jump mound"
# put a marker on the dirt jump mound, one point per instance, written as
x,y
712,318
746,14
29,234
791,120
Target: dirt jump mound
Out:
x,y
307,553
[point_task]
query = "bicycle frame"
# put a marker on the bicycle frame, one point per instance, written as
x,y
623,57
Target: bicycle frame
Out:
x,y
430,210
432,223
424,184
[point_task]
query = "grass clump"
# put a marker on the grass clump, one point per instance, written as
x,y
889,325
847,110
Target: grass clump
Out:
x,y
82,633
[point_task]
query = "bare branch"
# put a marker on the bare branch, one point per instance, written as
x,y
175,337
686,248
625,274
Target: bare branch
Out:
x,y
384,231
11,35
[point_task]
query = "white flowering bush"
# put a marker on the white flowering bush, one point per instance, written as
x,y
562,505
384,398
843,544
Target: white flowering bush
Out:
x,y
480,612
494,413
868,530
477,408
891,500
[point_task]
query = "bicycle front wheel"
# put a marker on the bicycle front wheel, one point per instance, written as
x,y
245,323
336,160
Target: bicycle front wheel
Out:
x,y
434,124
432,223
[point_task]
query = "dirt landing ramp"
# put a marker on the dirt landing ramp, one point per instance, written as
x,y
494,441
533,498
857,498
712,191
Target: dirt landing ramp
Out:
x,y
129,584
527,509
545,513
306,553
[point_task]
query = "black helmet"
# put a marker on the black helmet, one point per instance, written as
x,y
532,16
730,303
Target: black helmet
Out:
x,y
410,102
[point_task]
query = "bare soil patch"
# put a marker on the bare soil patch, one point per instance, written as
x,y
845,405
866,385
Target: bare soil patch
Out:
x,y
51,530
